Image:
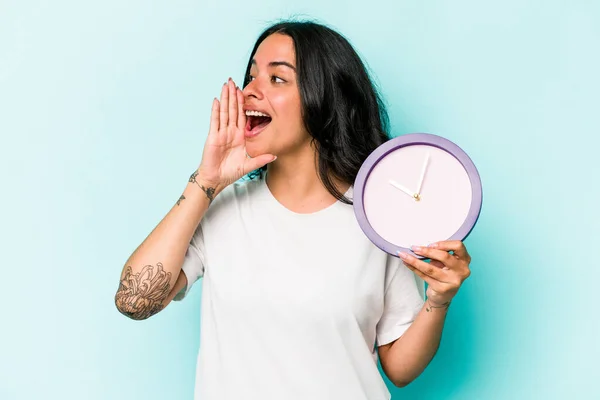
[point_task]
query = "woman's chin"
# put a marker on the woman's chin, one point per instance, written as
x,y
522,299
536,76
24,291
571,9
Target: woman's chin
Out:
x,y
254,150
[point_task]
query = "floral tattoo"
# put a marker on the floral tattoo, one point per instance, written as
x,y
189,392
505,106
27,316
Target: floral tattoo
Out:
x,y
141,295
210,192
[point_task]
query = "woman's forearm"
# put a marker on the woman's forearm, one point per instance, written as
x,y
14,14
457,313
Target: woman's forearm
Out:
x,y
408,356
149,276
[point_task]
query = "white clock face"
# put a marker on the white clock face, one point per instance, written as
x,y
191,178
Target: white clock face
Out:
x,y
416,195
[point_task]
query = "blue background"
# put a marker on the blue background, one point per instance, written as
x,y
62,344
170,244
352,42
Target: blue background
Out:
x,y
104,109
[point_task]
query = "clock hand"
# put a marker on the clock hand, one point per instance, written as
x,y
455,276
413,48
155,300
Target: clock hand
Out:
x,y
399,186
422,174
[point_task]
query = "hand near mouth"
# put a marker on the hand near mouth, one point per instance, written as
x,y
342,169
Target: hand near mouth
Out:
x,y
224,159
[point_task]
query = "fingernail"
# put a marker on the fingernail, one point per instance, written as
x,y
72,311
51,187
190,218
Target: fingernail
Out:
x,y
402,255
274,158
416,248
432,245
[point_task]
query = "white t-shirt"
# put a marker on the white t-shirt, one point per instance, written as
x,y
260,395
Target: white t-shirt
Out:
x,y
293,304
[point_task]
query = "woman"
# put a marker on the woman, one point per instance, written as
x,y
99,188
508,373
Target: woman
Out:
x,y
297,303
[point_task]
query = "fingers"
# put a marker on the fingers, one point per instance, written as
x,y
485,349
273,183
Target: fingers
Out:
x,y
443,256
443,281
456,246
231,112
233,103
241,121
214,118
424,269
251,164
224,117
431,282
456,267
421,275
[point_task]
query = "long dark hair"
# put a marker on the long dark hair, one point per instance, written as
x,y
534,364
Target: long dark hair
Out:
x,y
341,108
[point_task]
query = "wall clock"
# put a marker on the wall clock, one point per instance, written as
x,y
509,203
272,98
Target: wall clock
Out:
x,y
416,189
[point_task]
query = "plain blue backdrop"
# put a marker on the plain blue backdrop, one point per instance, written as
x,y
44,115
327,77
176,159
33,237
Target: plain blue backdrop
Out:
x,y
104,109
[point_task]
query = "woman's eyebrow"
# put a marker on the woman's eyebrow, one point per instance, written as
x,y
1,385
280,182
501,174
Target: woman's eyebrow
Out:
x,y
277,64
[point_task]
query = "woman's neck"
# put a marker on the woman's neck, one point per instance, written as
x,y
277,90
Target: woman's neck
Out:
x,y
295,183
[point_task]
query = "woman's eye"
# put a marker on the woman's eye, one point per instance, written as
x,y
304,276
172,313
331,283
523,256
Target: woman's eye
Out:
x,y
274,79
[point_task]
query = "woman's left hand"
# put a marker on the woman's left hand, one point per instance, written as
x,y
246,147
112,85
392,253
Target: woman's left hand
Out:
x,y
445,273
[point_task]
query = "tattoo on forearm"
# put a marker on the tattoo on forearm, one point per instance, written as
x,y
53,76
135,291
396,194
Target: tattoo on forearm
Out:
x,y
431,306
210,192
141,295
181,198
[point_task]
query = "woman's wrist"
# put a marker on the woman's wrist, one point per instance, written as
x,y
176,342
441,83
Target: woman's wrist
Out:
x,y
432,306
210,189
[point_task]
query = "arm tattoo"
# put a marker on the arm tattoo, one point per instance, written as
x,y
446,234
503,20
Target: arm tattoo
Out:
x,y
141,295
431,306
210,192
181,198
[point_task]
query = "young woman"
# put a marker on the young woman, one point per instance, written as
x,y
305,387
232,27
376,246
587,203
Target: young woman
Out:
x,y
296,303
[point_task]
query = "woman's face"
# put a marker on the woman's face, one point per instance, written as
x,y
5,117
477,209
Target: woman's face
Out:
x,y
273,92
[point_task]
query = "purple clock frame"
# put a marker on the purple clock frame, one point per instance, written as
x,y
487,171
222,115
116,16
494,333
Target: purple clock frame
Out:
x,y
409,140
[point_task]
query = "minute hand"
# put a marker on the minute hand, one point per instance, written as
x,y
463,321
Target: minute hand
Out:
x,y
422,174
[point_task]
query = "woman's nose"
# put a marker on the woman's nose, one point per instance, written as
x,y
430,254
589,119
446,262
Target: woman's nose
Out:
x,y
252,89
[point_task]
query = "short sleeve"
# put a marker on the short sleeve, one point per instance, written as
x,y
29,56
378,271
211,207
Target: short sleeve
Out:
x,y
404,297
193,263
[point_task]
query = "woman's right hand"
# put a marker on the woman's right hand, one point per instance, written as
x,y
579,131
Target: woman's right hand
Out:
x,y
224,159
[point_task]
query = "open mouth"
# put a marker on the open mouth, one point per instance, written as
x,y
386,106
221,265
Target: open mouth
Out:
x,y
256,121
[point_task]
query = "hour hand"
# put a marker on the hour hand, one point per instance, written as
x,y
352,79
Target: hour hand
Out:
x,y
399,186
